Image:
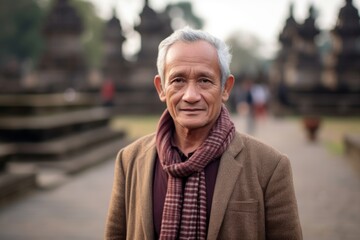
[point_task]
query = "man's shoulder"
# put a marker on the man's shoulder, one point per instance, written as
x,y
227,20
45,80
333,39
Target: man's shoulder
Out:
x,y
258,149
138,149
141,144
260,157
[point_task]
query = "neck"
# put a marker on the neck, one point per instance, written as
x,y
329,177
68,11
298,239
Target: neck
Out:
x,y
188,140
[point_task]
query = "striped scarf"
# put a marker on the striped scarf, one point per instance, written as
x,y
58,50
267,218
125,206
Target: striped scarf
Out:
x,y
184,214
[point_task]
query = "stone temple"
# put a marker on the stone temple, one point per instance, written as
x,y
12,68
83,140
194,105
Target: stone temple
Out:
x,y
52,121
308,81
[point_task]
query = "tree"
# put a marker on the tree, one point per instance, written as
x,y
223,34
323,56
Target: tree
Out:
x,y
244,49
181,14
93,26
20,23
93,33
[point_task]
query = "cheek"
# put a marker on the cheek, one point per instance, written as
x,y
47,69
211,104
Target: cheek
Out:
x,y
213,99
174,96
214,104
171,102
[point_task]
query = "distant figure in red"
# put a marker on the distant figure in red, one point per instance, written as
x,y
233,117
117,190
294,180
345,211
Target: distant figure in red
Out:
x,y
108,93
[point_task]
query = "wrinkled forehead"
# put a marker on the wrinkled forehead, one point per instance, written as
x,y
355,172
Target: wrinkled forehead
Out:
x,y
192,52
190,46
192,55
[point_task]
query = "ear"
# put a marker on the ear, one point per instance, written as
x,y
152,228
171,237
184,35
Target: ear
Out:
x,y
227,88
159,88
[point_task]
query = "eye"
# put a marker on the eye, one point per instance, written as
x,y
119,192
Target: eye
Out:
x,y
205,81
177,80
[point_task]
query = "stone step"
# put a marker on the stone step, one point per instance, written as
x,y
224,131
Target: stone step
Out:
x,y
14,185
55,120
50,174
67,144
68,98
6,149
88,158
140,102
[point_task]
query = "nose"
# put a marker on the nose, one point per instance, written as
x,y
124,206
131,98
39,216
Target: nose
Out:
x,y
191,93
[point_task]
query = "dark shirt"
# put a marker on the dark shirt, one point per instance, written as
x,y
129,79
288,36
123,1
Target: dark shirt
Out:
x,y
160,188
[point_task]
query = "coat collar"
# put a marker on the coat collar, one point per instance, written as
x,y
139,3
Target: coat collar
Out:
x,y
228,172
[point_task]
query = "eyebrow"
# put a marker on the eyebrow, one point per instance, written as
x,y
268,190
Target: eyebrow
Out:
x,y
177,74
198,74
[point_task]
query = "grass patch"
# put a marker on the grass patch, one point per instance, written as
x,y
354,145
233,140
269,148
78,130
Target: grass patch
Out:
x,y
334,129
136,126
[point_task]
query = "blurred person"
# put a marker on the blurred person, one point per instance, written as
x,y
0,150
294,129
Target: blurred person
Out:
x,y
260,95
245,104
108,92
197,177
250,117
240,96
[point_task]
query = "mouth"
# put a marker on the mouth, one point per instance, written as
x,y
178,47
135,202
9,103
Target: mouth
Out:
x,y
191,110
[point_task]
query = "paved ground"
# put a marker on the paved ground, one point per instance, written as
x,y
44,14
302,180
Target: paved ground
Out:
x,y
327,188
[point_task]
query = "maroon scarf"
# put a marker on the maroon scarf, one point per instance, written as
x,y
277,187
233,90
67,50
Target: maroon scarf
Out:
x,y
184,214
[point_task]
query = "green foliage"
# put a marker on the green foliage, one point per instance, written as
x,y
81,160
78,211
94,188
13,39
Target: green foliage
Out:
x,y
20,23
334,130
136,126
182,12
244,49
93,27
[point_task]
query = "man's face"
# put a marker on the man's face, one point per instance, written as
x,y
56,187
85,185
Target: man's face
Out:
x,y
192,90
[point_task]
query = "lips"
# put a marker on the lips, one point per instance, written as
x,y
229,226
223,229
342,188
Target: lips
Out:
x,y
191,109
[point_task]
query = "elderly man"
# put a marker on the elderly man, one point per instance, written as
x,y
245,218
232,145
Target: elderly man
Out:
x,y
196,177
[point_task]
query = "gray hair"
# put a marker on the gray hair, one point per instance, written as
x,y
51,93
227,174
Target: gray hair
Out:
x,y
188,34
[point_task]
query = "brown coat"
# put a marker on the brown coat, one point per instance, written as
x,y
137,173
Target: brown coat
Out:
x,y
253,197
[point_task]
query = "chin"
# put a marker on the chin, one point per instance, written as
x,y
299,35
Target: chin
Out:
x,y
193,124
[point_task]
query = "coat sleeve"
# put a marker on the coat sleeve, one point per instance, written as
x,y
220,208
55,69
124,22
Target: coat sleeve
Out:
x,y
115,227
282,218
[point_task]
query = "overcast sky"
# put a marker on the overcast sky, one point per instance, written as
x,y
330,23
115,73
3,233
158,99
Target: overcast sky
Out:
x,y
262,18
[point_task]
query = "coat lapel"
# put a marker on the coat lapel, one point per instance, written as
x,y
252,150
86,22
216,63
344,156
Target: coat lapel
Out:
x,y
229,170
145,171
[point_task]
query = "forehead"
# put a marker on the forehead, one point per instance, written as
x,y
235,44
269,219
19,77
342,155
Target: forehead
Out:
x,y
198,49
190,54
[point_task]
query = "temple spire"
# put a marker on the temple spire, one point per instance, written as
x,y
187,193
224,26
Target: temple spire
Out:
x,y
291,10
114,8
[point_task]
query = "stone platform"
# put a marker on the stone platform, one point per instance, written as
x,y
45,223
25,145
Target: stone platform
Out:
x,y
44,138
